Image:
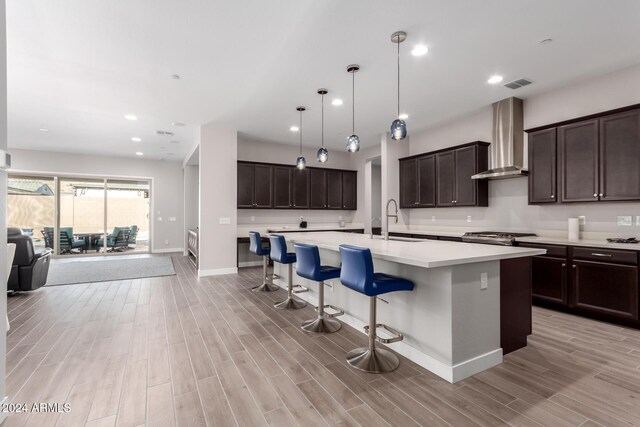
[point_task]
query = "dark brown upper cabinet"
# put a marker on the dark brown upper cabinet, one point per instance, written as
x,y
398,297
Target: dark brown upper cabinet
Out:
x,y
300,190
620,157
255,185
578,143
446,178
418,182
598,158
543,186
318,188
282,187
334,189
349,190
469,161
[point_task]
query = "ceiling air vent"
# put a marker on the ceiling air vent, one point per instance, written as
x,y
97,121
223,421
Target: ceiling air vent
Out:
x,y
164,133
516,84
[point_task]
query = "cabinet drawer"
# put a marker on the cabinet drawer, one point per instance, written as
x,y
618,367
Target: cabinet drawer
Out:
x,y
606,255
552,250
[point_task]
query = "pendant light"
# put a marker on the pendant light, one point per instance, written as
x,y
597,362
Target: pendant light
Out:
x,y
353,142
323,153
398,127
301,162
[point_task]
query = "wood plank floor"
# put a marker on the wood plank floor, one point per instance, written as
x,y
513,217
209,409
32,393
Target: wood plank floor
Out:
x,y
182,351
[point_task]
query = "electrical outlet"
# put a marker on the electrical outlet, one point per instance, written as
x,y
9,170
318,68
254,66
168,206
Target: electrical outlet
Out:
x,y
638,220
166,242
582,220
468,218
624,220
433,218
484,281
253,218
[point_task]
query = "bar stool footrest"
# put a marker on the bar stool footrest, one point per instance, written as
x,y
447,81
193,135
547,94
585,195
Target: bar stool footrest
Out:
x,y
397,336
299,289
337,311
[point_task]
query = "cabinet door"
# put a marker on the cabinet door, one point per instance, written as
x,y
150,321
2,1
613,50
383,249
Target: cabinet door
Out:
x,y
318,188
349,190
427,181
300,188
620,157
245,185
445,183
605,288
465,167
408,183
578,145
550,279
542,167
334,189
282,187
263,186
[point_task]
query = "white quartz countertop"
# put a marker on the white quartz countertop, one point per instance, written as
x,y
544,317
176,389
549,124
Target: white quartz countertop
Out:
x,y
592,243
422,253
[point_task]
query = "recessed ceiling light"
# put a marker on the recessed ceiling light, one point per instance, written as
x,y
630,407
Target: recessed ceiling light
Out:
x,y
494,79
44,130
136,139
139,153
131,117
179,124
294,129
175,76
403,116
419,50
546,41
336,101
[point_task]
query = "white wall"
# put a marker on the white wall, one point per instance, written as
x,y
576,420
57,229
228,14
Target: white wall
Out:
x,y
390,153
167,192
3,196
191,199
218,170
268,152
376,196
508,207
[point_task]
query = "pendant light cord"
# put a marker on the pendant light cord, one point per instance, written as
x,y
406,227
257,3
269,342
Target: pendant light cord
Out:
x,y
398,43
300,133
322,125
353,102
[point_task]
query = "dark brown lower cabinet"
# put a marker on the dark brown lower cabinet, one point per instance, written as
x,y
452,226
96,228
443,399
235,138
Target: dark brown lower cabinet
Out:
x,y
549,280
605,288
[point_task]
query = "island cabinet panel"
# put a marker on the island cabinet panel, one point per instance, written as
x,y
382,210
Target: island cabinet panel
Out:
x,y
550,279
445,185
620,157
349,190
318,188
272,186
579,161
334,189
300,188
515,303
426,181
409,183
542,167
282,187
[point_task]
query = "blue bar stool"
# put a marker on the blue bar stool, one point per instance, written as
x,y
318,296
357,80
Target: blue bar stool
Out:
x,y
308,266
255,246
279,254
357,274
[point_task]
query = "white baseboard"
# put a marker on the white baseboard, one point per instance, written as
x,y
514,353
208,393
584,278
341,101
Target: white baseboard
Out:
x,y
217,272
250,264
450,373
167,250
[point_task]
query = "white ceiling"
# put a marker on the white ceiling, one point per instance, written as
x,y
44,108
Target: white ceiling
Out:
x,y
76,67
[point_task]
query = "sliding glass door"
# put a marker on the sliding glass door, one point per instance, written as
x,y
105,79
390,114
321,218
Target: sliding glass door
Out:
x,y
77,216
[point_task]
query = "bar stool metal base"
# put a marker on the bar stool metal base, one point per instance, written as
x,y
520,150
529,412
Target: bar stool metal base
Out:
x,y
321,326
291,303
266,287
376,361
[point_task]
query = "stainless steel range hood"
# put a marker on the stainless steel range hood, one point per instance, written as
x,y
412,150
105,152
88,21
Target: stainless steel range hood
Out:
x,y
507,147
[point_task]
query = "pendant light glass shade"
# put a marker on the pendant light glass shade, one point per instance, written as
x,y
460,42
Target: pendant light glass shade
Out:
x,y
398,126
301,162
323,154
353,141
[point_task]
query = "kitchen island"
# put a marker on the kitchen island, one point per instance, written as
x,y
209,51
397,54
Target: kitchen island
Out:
x,y
451,321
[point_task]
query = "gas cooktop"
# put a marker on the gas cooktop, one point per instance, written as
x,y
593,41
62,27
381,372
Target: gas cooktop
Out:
x,y
504,238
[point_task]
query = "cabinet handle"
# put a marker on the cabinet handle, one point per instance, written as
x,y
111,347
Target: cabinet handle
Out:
x,y
564,265
595,194
573,266
601,194
602,255
553,196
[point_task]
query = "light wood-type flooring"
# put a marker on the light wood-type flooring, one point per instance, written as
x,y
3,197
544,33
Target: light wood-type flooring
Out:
x,y
182,351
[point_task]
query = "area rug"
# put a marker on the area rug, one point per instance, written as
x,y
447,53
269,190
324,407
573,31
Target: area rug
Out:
x,y
107,270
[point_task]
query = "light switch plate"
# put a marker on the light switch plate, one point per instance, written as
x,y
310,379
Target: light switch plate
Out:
x,y
624,220
433,218
172,219
582,220
468,218
225,220
638,220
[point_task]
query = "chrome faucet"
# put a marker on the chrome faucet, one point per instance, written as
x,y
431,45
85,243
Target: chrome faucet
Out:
x,y
387,216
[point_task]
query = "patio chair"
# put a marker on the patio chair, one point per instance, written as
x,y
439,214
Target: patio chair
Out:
x,y
68,243
133,234
116,241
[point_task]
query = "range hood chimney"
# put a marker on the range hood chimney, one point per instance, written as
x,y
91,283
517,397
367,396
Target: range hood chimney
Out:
x,y
507,146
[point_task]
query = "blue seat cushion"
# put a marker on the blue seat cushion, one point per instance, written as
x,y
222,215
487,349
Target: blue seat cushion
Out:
x,y
384,283
289,258
328,272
